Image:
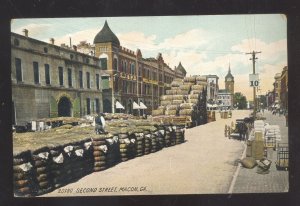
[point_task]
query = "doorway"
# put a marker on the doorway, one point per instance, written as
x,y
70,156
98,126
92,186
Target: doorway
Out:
x,y
64,107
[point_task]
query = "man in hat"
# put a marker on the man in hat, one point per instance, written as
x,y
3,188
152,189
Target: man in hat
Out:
x,y
99,124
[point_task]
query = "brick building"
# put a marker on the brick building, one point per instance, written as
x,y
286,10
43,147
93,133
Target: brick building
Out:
x,y
50,80
128,76
284,88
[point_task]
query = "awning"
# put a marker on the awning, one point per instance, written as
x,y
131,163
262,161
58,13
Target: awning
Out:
x,y
135,106
208,105
142,106
119,105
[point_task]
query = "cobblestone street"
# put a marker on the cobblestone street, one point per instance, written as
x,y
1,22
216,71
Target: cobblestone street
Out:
x,y
248,181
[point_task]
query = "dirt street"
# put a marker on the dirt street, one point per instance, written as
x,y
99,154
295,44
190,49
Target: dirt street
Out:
x,y
203,164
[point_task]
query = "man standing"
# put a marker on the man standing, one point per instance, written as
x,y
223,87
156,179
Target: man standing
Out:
x,y
99,124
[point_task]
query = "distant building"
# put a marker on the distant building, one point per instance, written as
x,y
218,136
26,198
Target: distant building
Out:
x,y
225,96
229,84
277,88
212,88
284,88
224,99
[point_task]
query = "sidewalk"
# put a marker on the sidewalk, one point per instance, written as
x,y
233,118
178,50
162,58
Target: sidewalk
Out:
x,y
248,181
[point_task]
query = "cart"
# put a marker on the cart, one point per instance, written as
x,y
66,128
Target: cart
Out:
x,y
270,142
282,162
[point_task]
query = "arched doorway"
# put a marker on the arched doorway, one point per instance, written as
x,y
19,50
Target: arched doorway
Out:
x,y
106,106
64,107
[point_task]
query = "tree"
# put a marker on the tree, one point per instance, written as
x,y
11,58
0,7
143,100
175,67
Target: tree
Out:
x,y
239,100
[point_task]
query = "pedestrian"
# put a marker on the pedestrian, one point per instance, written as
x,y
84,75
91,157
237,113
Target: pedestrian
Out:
x,y
100,124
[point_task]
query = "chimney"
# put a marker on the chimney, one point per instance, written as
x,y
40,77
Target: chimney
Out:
x,y
52,41
75,48
25,32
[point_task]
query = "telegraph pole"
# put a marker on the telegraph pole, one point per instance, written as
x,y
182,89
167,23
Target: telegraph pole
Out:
x,y
253,53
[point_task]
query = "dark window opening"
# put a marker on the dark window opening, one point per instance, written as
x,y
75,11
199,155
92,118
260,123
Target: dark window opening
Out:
x,y
88,80
70,77
61,76
36,73
80,79
88,106
16,42
18,70
45,49
47,74
115,64
97,81
64,107
103,63
71,56
97,105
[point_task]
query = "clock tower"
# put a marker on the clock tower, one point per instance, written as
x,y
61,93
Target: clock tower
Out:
x,y
229,84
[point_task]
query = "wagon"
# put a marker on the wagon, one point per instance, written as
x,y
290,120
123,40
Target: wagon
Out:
x,y
282,162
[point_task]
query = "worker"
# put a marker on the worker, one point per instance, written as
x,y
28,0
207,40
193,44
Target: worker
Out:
x,y
100,124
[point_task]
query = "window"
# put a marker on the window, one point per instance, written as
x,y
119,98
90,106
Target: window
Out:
x,y
36,73
18,70
70,77
97,106
103,63
16,42
47,74
115,64
71,56
80,79
61,76
105,82
88,85
45,49
88,106
97,81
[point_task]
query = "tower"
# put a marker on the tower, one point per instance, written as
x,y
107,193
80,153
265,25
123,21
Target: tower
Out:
x,y
107,47
229,84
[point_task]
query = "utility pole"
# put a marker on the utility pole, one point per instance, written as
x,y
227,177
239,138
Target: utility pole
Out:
x,y
253,53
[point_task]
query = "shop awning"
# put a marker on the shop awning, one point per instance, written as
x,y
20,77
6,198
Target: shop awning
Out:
x,y
142,105
135,106
119,105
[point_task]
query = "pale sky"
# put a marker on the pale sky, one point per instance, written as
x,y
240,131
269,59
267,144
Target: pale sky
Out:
x,y
203,44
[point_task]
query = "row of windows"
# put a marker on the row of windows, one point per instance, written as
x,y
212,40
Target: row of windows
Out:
x,y
36,75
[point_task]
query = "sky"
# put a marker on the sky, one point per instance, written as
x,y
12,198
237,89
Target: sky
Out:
x,y
204,44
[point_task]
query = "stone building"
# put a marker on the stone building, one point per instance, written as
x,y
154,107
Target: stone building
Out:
x,y
51,81
229,84
129,77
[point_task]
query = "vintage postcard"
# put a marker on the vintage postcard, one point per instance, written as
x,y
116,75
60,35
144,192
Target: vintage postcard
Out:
x,y
150,105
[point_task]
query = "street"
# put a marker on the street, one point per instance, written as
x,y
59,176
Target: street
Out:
x,y
204,164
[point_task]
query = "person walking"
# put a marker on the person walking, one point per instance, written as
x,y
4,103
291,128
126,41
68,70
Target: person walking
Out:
x,y
100,124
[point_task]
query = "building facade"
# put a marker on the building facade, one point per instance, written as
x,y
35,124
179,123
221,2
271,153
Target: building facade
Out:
x,y
284,88
51,81
212,88
277,88
130,77
224,99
